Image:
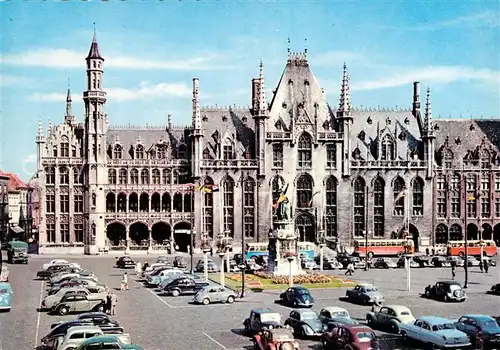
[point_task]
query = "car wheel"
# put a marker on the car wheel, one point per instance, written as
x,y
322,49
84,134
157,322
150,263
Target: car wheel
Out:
x,y
404,336
445,298
394,327
176,293
427,293
230,299
99,308
206,301
63,310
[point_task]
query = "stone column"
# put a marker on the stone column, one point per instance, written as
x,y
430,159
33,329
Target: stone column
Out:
x,y
127,233
116,202
150,240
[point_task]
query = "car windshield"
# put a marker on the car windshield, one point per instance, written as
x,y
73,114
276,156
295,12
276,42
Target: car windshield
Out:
x,y
490,324
405,313
309,316
270,317
303,292
4,291
365,336
340,314
371,289
440,327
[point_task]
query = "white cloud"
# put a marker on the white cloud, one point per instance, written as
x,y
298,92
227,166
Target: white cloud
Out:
x,y
483,19
9,80
431,74
31,158
146,89
48,97
335,58
64,58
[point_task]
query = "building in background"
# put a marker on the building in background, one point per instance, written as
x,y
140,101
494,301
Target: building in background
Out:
x,y
4,207
338,172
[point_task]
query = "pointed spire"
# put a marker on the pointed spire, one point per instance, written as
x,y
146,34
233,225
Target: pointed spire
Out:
x,y
94,48
68,103
428,111
40,138
49,128
169,121
262,91
196,106
345,94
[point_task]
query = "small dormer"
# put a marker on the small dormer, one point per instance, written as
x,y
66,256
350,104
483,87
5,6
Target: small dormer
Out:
x,y
362,135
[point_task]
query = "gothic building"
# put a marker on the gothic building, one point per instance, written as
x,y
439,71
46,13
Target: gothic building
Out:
x,y
343,167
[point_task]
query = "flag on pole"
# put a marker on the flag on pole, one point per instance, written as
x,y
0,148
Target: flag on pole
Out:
x,y
281,197
310,203
400,195
208,188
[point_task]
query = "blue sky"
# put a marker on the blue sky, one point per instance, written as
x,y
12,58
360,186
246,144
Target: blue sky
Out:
x,y
154,49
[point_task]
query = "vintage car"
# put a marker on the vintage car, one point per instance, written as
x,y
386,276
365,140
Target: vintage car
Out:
x,y
180,262
440,261
54,262
261,318
211,267
495,289
389,317
6,293
50,300
98,318
423,261
309,264
334,314
60,329
297,296
345,260
489,327
4,274
434,332
472,261
305,323
17,251
273,339
184,286
75,336
402,262
365,294
168,280
77,303
214,294
384,263
163,275
446,291
455,260
125,262
106,342
153,271
92,286
349,337
50,271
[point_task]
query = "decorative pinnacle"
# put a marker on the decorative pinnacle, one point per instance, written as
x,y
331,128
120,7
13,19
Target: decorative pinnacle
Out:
x,y
345,95
40,127
288,45
428,110
262,90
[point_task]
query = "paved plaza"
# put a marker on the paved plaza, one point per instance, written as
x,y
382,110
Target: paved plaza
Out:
x,y
159,323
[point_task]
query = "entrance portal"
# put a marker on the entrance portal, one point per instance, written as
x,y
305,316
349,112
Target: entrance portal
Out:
x,y
415,235
182,236
304,223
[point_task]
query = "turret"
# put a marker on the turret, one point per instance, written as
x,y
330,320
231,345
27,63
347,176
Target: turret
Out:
x,y
169,122
260,115
345,120
428,136
197,134
68,117
40,146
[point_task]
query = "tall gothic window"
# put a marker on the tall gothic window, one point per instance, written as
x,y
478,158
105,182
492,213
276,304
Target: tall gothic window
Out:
x,y
64,198
485,181
54,151
249,207
64,232
123,176
78,203
447,159
50,176
304,191
208,210
305,151
388,148
227,150
418,196
278,155
117,152
161,152
64,146
485,195
175,177
79,233
73,152
112,176
50,203
228,205
139,152
64,175
166,176
378,207
144,177
331,207
455,182
51,232
399,204
331,155
77,176
156,177
359,207
441,202
134,177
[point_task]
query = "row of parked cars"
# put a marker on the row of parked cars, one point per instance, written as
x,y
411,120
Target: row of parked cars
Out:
x,y
72,289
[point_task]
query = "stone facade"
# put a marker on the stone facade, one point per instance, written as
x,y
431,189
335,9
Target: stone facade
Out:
x,y
4,207
139,188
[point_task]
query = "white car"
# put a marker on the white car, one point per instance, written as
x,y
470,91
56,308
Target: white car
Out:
x,y
458,261
472,261
50,300
75,336
55,262
309,264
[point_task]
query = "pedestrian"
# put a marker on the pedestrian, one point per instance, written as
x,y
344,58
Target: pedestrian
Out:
x,y
350,269
145,266
479,338
107,307
486,266
124,285
481,264
453,274
114,301
138,267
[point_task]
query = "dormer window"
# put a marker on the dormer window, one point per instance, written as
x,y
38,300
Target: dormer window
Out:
x,y
64,146
402,136
436,127
362,135
472,127
326,125
224,118
458,141
388,121
205,118
278,125
284,105
139,152
117,152
407,121
306,83
227,150
369,120
388,148
447,159
161,152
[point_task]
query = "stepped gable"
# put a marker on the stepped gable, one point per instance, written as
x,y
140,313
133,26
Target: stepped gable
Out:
x,y
462,136
129,136
370,126
232,125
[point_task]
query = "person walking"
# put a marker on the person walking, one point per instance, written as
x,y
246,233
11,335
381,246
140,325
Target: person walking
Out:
x,y
107,307
453,272
479,338
481,264
138,267
486,266
124,285
114,301
350,269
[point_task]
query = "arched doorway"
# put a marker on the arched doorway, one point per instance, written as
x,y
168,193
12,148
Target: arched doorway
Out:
x,y
487,232
496,234
182,235
139,233
304,223
116,233
471,231
415,235
110,202
456,233
160,232
441,234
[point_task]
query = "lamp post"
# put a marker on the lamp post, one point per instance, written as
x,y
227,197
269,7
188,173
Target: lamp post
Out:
x,y
222,279
466,262
366,249
193,232
321,249
290,274
408,256
206,250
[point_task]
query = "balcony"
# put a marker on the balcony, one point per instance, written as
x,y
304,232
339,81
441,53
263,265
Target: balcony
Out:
x,y
61,161
164,215
99,94
230,163
278,136
330,136
388,164
151,188
149,162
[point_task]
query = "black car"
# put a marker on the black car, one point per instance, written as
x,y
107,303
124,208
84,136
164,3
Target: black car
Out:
x,y
495,289
296,297
180,262
100,319
184,286
446,291
423,261
125,262
60,329
44,274
440,261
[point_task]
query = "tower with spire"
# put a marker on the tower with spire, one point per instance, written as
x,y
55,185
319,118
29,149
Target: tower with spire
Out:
x,y
40,146
344,117
69,118
197,133
95,151
260,115
428,137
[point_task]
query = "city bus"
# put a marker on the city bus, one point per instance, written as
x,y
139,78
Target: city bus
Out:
x,y
253,250
473,248
383,247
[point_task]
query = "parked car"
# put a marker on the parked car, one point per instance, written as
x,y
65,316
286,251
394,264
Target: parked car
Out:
x,y
100,319
50,271
489,327
261,318
92,286
472,261
125,262
446,291
389,317
305,323
330,263
495,289
214,294
180,262
334,314
183,286
60,329
309,264
50,300
435,332
365,294
458,261
359,263
344,336
171,278
77,303
106,342
281,338
402,262
297,296
233,266
55,262
423,261
211,267
440,261
491,261
6,293
75,336
165,274
384,263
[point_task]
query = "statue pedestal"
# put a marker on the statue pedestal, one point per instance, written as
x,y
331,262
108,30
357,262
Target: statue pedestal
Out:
x,y
283,267
286,246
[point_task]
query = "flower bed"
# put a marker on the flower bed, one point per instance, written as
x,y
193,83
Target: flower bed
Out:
x,y
309,278
237,277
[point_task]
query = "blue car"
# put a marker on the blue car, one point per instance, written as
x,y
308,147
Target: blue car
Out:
x,y
5,296
297,296
489,327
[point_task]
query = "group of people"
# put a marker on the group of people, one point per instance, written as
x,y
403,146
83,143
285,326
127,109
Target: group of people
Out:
x,y
111,301
484,266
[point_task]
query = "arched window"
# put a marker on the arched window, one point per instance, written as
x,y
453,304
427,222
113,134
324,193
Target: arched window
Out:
x,y
175,177
456,232
112,176
73,151
144,177
166,177
447,159
50,177
123,176
441,196
161,152
485,159
139,152
378,207
418,196
134,177
156,177
400,193
118,152
208,213
249,207
331,207
228,205
64,146
304,151
227,150
77,175
388,149
359,207
64,176
54,151
441,234
304,191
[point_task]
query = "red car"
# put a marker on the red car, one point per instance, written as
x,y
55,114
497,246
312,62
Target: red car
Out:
x,y
349,337
274,339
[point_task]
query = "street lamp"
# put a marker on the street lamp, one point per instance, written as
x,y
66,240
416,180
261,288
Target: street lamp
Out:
x,y
366,249
290,274
222,279
408,256
206,250
321,248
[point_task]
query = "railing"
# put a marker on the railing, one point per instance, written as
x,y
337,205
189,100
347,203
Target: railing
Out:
x,y
388,164
330,136
149,162
150,187
61,161
148,215
278,136
230,163
61,245
101,94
